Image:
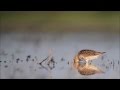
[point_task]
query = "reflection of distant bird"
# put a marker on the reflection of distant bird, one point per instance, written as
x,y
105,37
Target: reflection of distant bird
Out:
x,y
88,70
88,55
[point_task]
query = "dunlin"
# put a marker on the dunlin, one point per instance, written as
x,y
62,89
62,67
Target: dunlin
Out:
x,y
88,55
86,68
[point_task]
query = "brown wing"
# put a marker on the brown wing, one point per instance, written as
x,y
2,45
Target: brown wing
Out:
x,y
87,52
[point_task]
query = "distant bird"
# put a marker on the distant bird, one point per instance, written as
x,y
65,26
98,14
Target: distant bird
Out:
x,y
85,68
88,55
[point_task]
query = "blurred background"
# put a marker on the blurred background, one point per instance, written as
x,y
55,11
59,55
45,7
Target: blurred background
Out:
x,y
64,33
59,21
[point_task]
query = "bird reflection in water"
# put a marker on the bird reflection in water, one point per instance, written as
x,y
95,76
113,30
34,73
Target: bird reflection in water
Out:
x,y
85,68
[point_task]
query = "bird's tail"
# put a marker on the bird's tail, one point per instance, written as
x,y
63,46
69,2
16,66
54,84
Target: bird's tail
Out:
x,y
103,52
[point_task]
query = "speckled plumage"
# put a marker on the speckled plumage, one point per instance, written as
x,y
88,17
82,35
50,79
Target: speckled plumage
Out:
x,y
87,54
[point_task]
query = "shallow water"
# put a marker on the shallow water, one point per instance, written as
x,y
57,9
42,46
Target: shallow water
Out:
x,y
21,53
